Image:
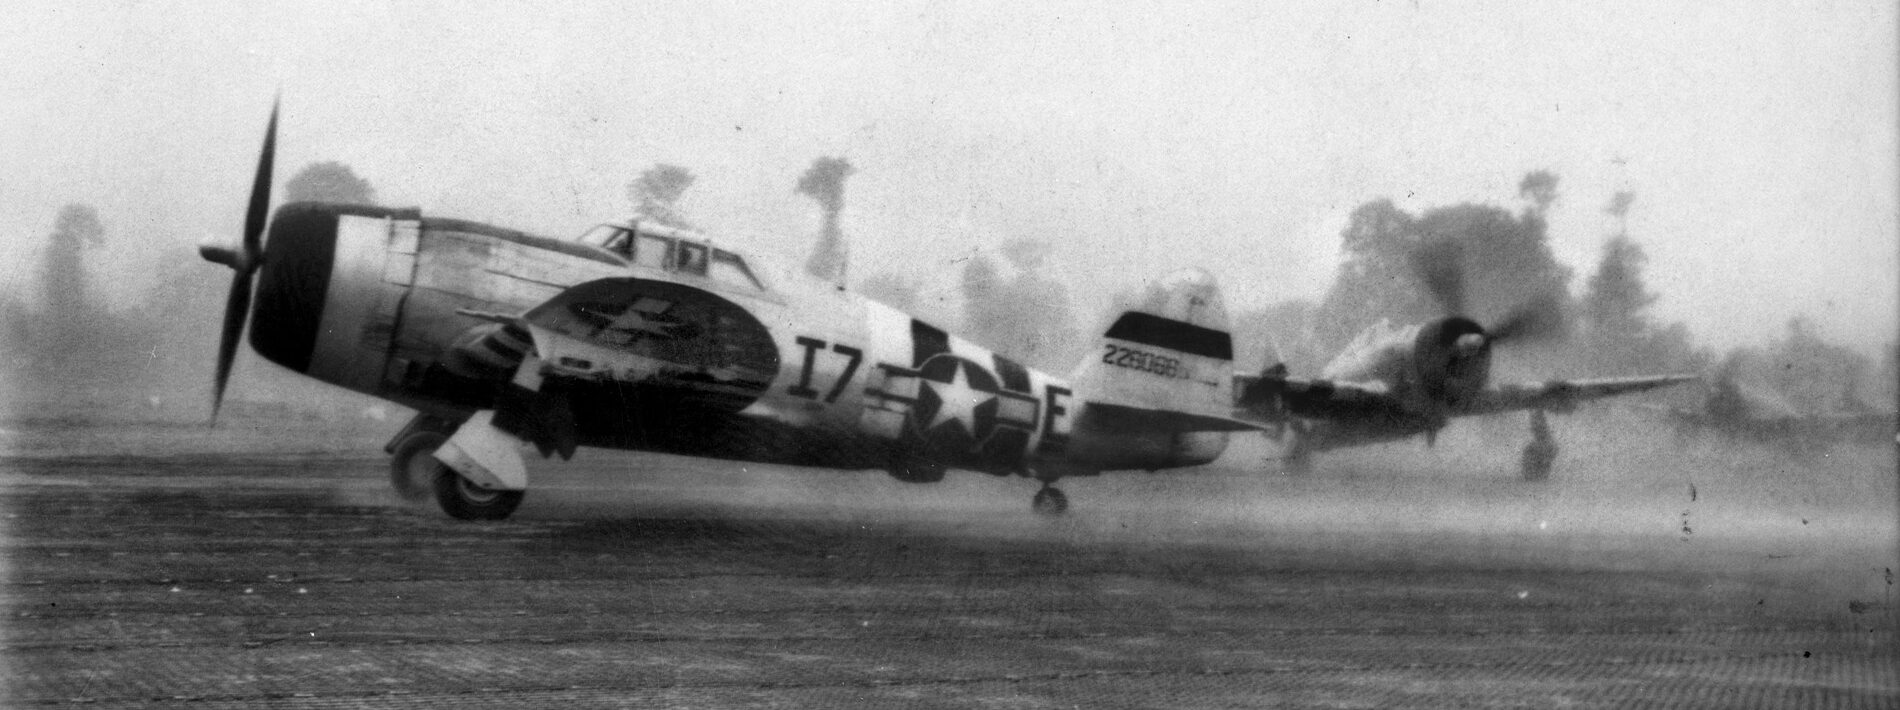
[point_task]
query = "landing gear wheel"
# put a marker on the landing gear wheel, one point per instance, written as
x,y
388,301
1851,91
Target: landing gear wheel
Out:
x,y
1538,457
1050,501
463,500
412,465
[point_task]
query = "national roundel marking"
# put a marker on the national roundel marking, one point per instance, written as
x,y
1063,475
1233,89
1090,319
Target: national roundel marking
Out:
x,y
956,403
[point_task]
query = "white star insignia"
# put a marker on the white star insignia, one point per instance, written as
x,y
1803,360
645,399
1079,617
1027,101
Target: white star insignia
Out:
x,y
959,400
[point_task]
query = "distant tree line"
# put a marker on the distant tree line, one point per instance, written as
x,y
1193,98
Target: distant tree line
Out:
x,y
71,354
66,344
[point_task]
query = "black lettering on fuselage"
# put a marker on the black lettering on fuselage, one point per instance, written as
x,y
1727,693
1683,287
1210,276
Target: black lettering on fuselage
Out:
x,y
1053,442
803,388
850,368
812,346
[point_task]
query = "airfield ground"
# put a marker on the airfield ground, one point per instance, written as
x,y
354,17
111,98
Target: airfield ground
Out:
x,y
268,566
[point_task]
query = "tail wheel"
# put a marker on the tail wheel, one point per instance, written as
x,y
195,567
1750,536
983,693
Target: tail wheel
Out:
x,y
463,499
412,465
1050,501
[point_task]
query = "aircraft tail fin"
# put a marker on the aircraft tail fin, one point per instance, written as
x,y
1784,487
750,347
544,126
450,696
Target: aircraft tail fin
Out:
x,y
1170,351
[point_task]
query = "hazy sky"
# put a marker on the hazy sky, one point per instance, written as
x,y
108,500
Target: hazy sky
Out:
x,y
1136,138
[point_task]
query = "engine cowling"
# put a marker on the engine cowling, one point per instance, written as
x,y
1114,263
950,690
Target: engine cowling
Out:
x,y
327,290
1452,359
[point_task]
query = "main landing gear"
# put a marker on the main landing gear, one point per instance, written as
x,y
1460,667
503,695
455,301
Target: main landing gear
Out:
x,y
1542,451
416,472
1298,460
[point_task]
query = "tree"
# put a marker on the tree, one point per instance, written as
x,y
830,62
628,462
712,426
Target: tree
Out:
x,y
1619,208
656,193
329,181
1813,374
891,290
1043,333
72,354
1028,315
1499,263
1619,334
1540,187
824,182
1375,279
1281,332
64,282
1506,261
1883,387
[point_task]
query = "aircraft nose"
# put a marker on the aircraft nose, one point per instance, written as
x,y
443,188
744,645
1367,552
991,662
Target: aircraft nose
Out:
x,y
298,258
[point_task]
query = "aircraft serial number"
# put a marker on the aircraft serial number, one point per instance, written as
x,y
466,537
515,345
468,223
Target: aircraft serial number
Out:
x,y
1145,361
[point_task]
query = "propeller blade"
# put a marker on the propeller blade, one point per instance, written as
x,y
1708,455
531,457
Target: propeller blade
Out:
x,y
1540,318
1440,266
236,308
259,212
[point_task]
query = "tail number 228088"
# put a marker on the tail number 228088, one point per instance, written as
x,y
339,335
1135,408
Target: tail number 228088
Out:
x,y
1145,362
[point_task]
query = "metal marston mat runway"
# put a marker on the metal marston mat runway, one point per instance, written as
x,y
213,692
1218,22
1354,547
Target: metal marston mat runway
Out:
x,y
246,579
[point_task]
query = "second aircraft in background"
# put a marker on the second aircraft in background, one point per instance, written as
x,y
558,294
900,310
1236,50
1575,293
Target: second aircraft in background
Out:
x,y
1394,383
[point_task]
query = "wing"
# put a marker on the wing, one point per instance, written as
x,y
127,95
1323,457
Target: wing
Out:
x,y
647,344
655,333
1561,395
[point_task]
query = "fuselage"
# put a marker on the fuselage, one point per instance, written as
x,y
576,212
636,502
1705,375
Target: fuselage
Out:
x,y
1424,367
659,339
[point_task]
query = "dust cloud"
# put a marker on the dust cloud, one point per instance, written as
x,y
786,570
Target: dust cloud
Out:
x,y
1627,496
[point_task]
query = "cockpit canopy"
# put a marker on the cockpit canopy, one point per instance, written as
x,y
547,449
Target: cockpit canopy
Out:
x,y
673,250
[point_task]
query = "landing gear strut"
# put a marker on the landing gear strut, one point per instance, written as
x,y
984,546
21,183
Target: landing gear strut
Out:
x,y
1299,452
1542,451
483,475
1049,501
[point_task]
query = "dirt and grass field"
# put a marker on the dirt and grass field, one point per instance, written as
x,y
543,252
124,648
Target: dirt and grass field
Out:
x,y
266,564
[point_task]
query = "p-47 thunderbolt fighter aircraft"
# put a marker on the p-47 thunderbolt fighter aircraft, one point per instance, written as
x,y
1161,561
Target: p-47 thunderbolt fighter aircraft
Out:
x,y
1393,383
644,337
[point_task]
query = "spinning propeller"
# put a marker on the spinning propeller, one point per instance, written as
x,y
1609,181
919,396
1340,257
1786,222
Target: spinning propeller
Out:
x,y
1441,267
245,260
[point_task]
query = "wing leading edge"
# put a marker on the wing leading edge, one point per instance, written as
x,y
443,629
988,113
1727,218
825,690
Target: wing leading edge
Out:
x,y
1561,395
1274,398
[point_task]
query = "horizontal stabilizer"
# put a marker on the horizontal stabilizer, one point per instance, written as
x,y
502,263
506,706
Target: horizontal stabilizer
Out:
x,y
1121,417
